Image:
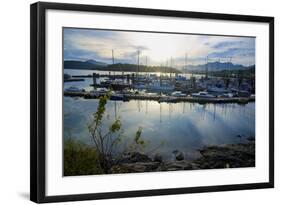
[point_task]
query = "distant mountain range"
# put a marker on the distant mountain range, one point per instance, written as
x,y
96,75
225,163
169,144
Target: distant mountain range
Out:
x,y
124,67
97,65
216,66
84,65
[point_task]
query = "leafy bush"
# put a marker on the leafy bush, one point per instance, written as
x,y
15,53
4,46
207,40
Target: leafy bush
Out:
x,y
107,141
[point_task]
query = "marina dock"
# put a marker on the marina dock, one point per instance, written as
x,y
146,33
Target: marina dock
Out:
x,y
171,99
74,80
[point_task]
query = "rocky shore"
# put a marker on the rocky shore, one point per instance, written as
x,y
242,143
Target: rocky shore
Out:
x,y
212,157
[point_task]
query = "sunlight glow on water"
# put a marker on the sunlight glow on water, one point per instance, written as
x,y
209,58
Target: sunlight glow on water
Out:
x,y
182,126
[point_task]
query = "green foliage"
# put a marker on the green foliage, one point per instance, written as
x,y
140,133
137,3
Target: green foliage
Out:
x,y
105,142
80,159
138,139
116,126
101,109
108,142
138,144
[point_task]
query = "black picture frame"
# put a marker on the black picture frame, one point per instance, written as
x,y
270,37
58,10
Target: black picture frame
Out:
x,y
38,100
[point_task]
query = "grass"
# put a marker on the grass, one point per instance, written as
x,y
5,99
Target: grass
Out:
x,y
80,159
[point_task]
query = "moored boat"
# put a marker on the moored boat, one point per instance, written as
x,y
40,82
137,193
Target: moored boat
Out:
x,y
178,94
160,87
98,92
202,94
73,89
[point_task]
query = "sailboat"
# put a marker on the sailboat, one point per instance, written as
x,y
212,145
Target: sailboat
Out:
x,y
117,84
157,86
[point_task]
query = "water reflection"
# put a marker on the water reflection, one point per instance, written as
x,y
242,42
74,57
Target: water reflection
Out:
x,y
183,126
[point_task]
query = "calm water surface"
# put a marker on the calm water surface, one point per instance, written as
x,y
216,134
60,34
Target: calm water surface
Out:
x,y
182,126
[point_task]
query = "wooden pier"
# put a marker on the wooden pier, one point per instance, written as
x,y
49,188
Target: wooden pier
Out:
x,y
74,80
170,99
103,76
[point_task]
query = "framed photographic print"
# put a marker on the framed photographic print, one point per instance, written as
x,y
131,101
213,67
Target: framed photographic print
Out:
x,y
129,102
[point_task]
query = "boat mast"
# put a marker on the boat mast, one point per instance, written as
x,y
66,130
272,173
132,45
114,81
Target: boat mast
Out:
x,y
146,68
230,60
113,62
175,65
206,75
219,66
171,69
167,65
192,68
185,63
138,65
161,75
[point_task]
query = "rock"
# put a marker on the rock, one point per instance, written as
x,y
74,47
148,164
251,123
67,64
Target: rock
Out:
x,y
212,157
231,155
135,167
133,157
178,165
178,155
157,158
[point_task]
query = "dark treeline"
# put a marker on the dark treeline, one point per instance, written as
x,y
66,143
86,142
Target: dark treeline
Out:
x,y
245,73
140,68
118,67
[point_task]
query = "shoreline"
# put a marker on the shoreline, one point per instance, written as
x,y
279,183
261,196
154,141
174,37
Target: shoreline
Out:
x,y
239,155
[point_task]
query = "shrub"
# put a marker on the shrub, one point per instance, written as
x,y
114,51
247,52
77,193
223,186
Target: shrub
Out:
x,y
80,159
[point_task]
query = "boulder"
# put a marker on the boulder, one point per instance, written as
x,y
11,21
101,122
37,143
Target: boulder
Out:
x,y
179,165
157,158
230,156
135,167
133,157
178,155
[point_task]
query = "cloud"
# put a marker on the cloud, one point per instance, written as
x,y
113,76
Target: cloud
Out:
x,y
98,44
84,44
240,50
227,44
233,52
139,48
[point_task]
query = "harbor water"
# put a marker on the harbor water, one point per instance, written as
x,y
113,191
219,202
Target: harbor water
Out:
x,y
166,126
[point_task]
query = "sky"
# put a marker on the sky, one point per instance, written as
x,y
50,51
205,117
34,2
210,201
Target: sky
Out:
x,y
156,48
